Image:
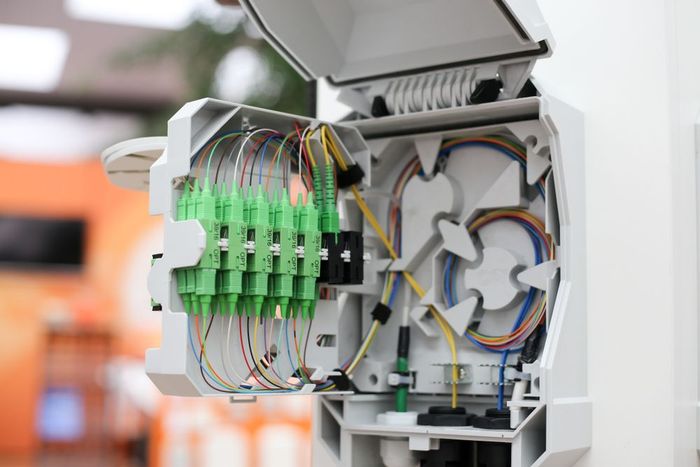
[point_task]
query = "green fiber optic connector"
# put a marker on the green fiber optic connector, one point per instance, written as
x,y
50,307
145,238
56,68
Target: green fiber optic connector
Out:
x,y
181,274
402,391
209,263
284,265
191,212
330,219
402,368
308,267
259,264
244,300
217,301
269,305
219,201
233,261
318,187
187,210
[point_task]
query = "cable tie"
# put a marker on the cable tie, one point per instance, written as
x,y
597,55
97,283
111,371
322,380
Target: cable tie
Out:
x,y
400,379
381,313
352,175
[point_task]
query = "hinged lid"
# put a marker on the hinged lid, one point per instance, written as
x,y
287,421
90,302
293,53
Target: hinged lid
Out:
x,y
358,41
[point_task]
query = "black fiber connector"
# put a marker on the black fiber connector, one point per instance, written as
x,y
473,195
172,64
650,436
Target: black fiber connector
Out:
x,y
381,313
354,174
531,348
332,268
338,269
487,90
379,107
341,381
353,270
404,341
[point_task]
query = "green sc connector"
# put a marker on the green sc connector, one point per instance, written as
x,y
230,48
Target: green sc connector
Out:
x,y
259,264
191,213
284,266
233,261
181,274
308,267
205,271
330,219
318,187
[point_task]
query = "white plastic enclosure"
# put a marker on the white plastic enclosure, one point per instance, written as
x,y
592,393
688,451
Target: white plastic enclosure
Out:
x,y
392,49
557,428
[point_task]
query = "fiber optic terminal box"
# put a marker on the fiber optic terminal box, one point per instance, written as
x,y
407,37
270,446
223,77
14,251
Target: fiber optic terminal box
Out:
x,y
419,267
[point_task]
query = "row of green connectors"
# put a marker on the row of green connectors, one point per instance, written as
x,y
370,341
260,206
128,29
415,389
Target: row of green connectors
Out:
x,y
255,282
330,219
284,265
259,265
308,267
233,261
197,285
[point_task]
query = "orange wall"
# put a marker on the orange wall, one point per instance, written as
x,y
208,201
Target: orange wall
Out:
x,y
115,219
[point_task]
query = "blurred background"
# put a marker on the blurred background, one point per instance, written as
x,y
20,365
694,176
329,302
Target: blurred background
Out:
x,y
77,76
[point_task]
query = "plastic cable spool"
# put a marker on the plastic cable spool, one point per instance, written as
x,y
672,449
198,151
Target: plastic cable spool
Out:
x,y
446,416
493,419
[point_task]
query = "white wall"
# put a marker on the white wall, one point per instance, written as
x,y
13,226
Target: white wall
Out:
x,y
630,66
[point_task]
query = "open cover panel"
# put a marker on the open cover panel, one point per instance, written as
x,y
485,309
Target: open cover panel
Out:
x,y
355,41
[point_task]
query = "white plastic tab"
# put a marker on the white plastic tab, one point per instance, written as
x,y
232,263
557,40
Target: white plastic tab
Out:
x,y
538,276
428,148
460,315
505,191
128,163
457,240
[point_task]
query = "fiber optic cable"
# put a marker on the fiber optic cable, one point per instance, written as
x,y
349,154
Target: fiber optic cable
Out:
x,y
447,332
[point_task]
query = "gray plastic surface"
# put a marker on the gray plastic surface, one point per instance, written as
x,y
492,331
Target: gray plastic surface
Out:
x,y
359,40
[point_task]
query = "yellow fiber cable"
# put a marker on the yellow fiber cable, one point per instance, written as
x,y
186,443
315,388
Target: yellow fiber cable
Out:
x,y
334,149
324,131
365,347
308,148
369,215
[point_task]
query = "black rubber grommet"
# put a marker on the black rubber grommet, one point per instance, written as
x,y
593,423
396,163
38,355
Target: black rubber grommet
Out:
x,y
493,419
445,416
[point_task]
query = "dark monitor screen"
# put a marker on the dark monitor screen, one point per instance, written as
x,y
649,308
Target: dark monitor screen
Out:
x,y
41,242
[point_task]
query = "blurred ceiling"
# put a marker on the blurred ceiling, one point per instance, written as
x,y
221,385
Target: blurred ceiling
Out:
x,y
90,78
